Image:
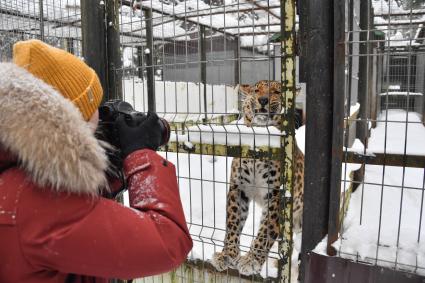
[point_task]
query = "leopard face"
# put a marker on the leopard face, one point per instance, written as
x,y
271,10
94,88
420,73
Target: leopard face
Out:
x,y
262,103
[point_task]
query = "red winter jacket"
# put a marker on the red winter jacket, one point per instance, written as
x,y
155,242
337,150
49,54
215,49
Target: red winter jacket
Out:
x,y
54,226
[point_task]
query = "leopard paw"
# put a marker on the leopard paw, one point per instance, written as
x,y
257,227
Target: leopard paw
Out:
x,y
222,261
248,264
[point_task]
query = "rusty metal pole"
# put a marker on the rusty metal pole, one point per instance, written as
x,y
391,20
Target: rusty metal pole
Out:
x,y
288,137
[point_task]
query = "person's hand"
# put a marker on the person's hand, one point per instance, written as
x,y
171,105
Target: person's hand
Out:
x,y
145,134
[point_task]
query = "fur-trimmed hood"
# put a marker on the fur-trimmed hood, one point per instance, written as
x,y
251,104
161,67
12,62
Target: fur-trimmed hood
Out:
x,y
48,135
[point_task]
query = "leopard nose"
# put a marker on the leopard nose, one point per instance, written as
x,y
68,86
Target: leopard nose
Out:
x,y
263,101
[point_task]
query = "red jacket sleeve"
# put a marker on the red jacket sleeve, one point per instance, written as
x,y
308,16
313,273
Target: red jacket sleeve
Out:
x,y
99,237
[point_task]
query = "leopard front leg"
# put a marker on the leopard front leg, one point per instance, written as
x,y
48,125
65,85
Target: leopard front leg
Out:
x,y
252,262
237,212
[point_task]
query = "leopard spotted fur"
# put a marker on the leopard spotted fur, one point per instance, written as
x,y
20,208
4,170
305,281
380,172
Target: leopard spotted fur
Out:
x,y
258,180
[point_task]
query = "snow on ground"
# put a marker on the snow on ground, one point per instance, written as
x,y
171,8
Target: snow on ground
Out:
x,y
203,188
203,182
384,223
401,136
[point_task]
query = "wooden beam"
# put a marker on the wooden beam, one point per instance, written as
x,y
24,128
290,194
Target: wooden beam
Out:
x,y
387,159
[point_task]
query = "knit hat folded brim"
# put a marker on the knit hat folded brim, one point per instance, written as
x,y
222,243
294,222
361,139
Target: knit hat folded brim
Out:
x,y
65,72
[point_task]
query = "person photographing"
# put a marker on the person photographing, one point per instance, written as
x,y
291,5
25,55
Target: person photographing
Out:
x,y
55,224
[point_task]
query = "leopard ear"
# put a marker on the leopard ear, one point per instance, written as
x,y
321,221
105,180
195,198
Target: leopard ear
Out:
x,y
243,90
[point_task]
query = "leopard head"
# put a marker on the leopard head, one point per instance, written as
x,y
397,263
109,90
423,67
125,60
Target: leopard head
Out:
x,y
262,103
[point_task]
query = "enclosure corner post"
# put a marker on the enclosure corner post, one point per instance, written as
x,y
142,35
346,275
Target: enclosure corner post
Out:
x,y
339,77
93,37
319,121
114,71
288,137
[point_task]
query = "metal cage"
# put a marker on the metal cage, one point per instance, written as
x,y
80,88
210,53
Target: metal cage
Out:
x,y
359,82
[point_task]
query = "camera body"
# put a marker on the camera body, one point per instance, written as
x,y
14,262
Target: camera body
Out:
x,y
112,109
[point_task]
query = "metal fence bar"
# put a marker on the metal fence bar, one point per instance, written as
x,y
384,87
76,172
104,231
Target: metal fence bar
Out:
x,y
114,63
288,137
149,53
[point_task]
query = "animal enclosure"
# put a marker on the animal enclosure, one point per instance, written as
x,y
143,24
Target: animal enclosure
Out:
x,y
251,85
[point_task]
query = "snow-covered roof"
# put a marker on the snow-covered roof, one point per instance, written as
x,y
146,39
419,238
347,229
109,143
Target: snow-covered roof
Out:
x,y
254,21
400,20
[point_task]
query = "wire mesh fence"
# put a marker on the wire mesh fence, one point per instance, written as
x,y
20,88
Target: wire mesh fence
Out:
x,y
55,22
213,70
196,64
199,62
384,73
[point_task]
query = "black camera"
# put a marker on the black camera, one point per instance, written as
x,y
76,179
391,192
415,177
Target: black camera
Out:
x,y
111,110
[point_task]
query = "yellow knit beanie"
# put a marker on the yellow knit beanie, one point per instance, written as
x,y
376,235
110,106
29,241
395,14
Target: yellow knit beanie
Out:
x,y
65,72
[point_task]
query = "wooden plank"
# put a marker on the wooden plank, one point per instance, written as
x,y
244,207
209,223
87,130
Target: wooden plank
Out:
x,y
388,159
260,152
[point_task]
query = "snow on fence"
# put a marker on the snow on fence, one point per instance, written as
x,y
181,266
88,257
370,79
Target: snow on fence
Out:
x,y
384,222
183,102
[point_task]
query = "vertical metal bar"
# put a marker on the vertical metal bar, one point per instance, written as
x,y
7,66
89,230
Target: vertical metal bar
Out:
x,y
70,45
318,139
288,137
114,66
338,121
302,7
150,72
140,61
362,125
93,38
237,58
203,69
41,11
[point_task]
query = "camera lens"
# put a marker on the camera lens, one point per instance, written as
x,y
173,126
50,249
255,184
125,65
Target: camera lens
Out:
x,y
165,130
106,113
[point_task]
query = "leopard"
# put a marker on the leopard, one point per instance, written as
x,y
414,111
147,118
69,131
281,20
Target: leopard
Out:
x,y
258,180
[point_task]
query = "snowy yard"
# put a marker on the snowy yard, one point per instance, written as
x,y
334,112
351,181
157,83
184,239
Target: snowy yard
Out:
x,y
384,223
203,182
371,229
